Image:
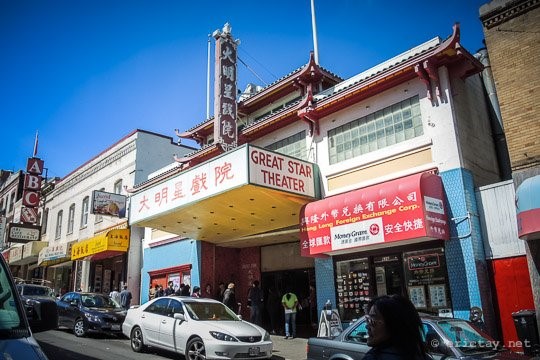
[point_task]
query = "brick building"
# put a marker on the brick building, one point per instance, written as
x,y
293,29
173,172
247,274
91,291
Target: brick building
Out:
x,y
512,36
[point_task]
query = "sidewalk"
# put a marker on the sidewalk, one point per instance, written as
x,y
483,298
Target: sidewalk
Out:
x,y
290,349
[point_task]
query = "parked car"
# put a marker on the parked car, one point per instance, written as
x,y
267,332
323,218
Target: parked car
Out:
x,y
196,328
445,338
16,339
35,297
90,312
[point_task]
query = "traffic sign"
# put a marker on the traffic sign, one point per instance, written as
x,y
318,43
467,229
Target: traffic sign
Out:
x,y
28,215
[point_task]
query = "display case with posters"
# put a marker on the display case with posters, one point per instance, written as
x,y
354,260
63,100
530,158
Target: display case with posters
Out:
x,y
427,280
353,288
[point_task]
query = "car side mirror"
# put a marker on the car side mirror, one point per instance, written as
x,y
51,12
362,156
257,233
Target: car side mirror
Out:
x,y
179,316
44,316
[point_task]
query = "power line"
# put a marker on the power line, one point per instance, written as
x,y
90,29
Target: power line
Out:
x,y
259,63
252,71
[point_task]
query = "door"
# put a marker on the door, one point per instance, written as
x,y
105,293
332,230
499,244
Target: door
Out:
x,y
389,275
151,320
169,333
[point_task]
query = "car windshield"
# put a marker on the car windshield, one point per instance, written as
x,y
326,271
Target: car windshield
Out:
x,y
12,323
465,337
98,301
35,290
209,311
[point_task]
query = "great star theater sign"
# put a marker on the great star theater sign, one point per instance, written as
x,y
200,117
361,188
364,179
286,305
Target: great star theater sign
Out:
x,y
246,165
403,209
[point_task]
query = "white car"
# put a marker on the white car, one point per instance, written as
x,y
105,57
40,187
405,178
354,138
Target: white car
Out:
x,y
195,327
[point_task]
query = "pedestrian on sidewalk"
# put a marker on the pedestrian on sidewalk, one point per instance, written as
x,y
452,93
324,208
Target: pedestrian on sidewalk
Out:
x,y
125,298
290,305
255,302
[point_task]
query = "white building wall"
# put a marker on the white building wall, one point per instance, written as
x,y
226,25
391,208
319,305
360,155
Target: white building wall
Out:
x,y
499,220
129,160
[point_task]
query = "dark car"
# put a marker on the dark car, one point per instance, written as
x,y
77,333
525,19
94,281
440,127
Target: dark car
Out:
x,y
445,338
90,312
16,339
36,298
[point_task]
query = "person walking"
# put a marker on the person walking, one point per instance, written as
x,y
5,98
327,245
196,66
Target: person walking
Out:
x,y
115,295
208,292
229,298
160,292
170,289
196,292
273,307
290,304
220,291
255,302
152,292
394,330
125,298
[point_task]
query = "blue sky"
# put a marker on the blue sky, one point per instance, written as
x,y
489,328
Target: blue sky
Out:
x,y
87,73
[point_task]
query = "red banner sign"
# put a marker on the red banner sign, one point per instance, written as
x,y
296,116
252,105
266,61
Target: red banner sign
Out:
x,y
401,209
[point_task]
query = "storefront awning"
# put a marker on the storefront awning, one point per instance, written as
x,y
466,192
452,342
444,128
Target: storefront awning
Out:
x,y
408,208
237,199
111,243
55,254
528,208
26,254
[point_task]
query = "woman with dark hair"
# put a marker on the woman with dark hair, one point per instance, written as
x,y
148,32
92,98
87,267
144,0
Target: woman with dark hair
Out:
x,y
394,330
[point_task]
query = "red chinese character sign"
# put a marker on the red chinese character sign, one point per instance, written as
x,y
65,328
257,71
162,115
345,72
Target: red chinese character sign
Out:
x,y
225,130
401,209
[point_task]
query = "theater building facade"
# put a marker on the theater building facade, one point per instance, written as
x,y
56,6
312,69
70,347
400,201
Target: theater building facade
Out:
x,y
357,187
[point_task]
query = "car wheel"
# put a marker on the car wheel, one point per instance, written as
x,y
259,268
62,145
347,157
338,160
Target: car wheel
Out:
x,y
137,343
79,329
195,349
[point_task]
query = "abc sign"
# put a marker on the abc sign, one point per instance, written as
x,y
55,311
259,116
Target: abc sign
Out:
x,y
30,198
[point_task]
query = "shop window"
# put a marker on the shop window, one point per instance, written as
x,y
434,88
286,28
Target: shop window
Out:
x,y
386,127
426,279
353,288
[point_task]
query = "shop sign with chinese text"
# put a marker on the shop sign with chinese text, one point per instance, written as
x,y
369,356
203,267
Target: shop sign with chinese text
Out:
x,y
401,209
23,233
244,166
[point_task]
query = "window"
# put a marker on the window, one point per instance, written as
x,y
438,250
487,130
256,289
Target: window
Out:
x,y
386,127
58,233
174,308
292,146
98,218
71,219
159,307
117,187
11,201
84,214
45,221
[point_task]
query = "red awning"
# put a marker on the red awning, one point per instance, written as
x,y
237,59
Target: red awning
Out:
x,y
407,208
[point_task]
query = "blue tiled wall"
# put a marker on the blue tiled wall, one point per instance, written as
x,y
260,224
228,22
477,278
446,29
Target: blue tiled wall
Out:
x,y
464,251
170,255
324,282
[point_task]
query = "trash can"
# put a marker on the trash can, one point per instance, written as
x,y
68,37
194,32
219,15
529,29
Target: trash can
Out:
x,y
527,331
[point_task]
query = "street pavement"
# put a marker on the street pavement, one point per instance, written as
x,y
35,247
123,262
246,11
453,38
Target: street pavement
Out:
x,y
63,345
290,349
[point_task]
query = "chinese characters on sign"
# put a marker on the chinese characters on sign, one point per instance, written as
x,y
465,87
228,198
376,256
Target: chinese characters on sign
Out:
x,y
392,211
225,131
245,165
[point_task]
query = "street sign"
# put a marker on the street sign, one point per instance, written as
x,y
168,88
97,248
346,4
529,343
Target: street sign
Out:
x,y
23,233
28,215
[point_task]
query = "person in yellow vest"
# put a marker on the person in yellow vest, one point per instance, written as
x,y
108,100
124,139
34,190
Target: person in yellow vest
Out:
x,y
290,304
